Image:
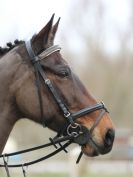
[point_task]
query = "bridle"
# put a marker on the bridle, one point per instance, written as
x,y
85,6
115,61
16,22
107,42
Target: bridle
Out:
x,y
71,131
72,128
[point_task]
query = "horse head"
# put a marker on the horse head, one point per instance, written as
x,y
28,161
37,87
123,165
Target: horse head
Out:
x,y
68,86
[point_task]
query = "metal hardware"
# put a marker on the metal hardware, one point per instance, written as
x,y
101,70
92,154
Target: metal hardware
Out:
x,y
67,114
47,81
74,130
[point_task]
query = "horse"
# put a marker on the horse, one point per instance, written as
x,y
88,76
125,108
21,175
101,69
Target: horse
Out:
x,y
23,94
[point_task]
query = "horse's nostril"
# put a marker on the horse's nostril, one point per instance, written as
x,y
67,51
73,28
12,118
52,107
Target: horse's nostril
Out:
x,y
109,138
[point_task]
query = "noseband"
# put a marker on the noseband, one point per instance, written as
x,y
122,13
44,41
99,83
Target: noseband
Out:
x,y
80,133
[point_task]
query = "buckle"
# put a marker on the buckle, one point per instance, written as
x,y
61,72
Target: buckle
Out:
x,y
104,107
67,114
103,104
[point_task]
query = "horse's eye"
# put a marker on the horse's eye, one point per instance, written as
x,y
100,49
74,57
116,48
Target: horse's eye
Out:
x,y
64,73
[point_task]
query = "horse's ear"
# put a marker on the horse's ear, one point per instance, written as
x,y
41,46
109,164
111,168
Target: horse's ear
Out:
x,y
40,40
51,37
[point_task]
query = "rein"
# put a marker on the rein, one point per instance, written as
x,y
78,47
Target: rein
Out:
x,y
53,142
71,132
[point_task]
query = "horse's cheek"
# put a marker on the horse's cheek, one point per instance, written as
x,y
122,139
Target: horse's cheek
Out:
x,y
26,99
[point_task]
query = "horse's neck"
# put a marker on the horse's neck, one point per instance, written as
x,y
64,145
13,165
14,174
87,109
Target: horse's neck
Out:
x,y
8,65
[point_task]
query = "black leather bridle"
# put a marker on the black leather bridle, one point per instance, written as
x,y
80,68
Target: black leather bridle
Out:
x,y
81,133
71,131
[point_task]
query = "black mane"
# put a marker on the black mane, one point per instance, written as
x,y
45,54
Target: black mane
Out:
x,y
9,46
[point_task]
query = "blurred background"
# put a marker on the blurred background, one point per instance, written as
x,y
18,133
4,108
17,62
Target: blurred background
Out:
x,y
96,37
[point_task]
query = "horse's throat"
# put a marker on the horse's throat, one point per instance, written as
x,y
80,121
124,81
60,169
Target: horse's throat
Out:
x,y
5,129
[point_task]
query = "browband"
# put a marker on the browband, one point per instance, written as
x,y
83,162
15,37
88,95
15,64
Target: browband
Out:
x,y
49,51
42,55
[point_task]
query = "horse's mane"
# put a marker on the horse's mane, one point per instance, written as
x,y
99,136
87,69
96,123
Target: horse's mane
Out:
x,y
9,46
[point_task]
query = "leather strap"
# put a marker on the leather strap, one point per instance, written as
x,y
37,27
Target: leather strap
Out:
x,y
97,121
88,110
35,60
49,51
6,167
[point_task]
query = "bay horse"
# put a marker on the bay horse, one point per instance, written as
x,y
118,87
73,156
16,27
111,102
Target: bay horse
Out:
x,y
23,95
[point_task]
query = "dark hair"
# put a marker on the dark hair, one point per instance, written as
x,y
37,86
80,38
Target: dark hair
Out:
x,y
9,46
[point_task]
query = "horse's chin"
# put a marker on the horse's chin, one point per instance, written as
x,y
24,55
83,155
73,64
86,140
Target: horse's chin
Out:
x,y
89,151
93,149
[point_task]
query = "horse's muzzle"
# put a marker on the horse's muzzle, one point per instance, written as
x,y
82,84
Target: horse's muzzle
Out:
x,y
93,148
